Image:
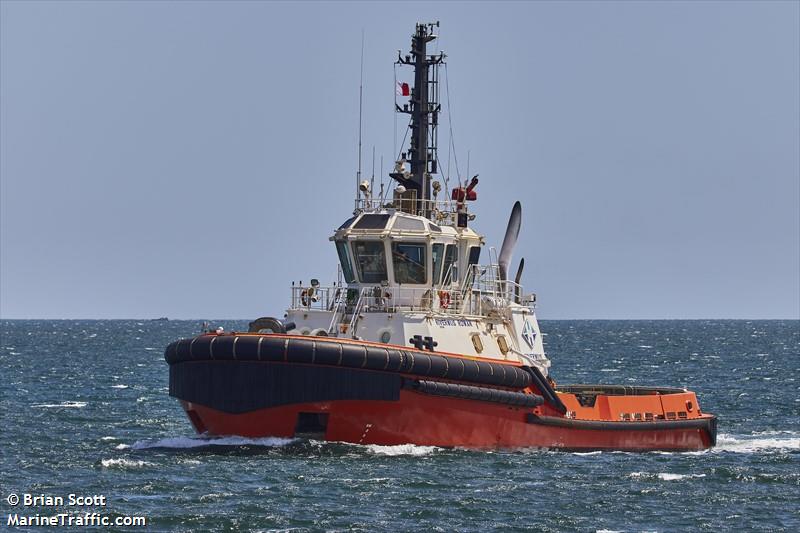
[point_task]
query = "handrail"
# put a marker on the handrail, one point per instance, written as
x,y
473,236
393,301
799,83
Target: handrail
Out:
x,y
341,296
438,211
356,311
480,293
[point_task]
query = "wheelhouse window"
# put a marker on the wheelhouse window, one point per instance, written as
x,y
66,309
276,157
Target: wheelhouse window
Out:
x,y
450,264
370,261
474,255
437,254
344,260
372,222
409,262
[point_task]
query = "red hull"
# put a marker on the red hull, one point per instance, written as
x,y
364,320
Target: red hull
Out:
x,y
432,421
366,393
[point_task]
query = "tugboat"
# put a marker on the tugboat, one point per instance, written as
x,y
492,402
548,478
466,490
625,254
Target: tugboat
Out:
x,y
418,342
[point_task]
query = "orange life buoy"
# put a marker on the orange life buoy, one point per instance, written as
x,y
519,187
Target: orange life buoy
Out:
x,y
444,299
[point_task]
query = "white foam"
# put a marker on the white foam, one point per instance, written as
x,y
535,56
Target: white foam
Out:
x,y
123,463
664,476
108,437
750,444
198,442
596,452
73,405
121,447
401,449
119,386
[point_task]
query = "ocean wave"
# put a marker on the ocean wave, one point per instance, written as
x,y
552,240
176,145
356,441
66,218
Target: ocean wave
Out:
x,y
72,405
663,476
755,444
123,463
120,386
199,442
778,432
401,449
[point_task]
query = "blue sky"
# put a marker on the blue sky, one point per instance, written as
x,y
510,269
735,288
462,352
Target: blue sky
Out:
x,y
191,159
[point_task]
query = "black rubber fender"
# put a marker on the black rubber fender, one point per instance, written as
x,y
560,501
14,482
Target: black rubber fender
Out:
x,y
332,352
470,392
266,323
546,389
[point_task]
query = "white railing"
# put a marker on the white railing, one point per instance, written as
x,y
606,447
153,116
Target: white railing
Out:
x,y
340,297
317,298
482,292
439,211
357,309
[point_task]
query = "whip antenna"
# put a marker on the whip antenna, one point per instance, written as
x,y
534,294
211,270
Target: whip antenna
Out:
x,y
360,106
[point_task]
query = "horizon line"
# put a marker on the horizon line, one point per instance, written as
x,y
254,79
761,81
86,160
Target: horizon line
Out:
x,y
153,319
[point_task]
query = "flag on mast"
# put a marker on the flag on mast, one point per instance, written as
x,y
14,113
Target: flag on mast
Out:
x,y
403,89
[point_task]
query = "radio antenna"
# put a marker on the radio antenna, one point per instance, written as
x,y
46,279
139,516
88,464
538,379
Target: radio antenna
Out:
x,y
381,181
360,106
372,180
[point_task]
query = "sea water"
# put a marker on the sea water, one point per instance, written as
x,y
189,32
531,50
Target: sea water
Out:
x,y
86,410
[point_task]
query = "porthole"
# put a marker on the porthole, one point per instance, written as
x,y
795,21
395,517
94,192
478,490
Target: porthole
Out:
x,y
502,344
477,343
386,336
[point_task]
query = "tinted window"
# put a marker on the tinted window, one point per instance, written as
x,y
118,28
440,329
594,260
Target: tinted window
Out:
x,y
437,254
474,255
370,261
409,263
372,222
450,264
409,223
347,223
344,260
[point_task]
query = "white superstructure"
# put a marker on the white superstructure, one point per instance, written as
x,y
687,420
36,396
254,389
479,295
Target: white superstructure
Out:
x,y
413,280
409,262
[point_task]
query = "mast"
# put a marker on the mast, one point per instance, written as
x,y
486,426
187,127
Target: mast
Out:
x,y
424,110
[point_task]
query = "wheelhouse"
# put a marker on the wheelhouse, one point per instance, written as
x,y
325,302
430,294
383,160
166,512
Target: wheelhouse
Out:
x,y
399,250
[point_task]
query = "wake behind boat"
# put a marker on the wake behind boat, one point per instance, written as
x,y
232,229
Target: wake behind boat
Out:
x,y
418,342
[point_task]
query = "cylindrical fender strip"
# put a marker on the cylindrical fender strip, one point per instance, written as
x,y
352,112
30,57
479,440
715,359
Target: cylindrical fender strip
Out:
x,y
547,391
333,352
468,392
